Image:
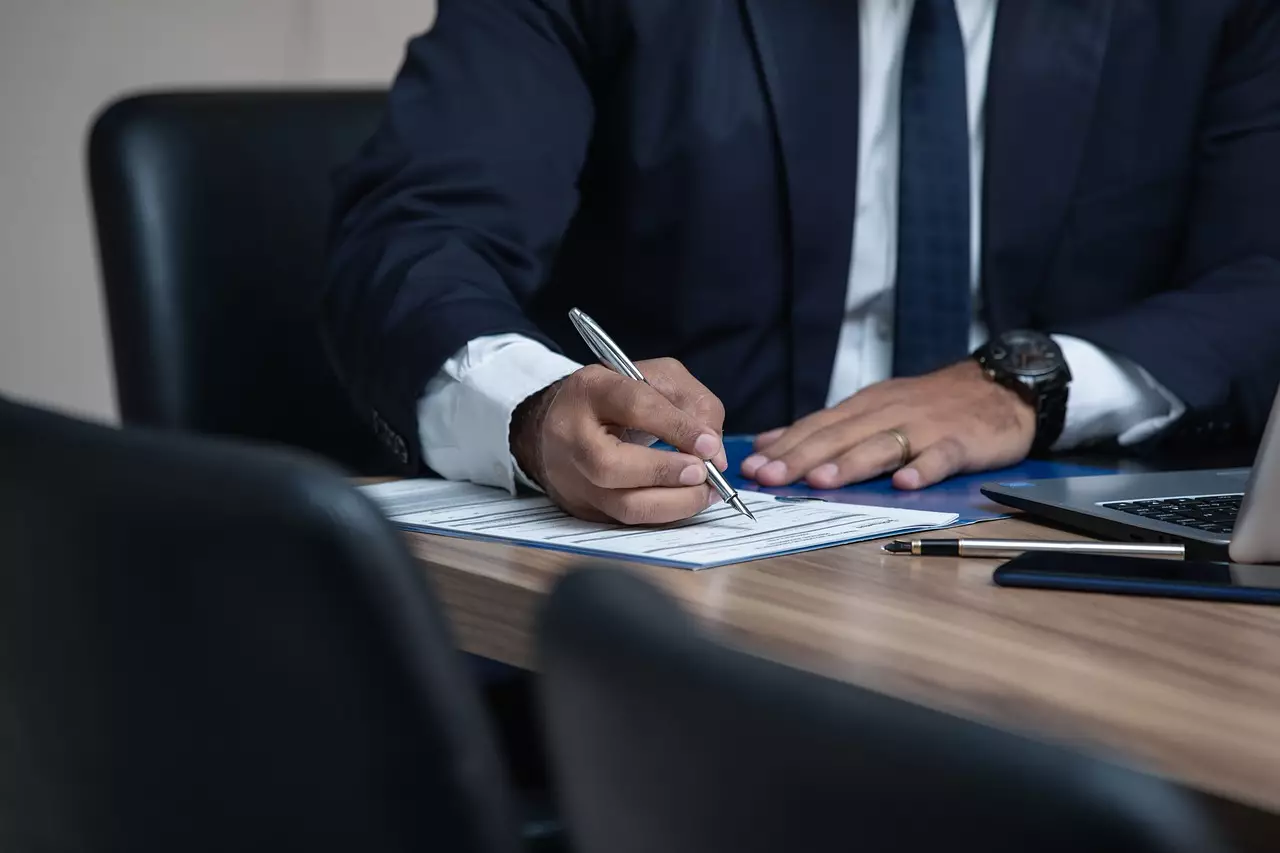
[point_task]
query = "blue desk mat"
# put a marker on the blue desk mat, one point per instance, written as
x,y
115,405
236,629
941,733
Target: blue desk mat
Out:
x,y
960,495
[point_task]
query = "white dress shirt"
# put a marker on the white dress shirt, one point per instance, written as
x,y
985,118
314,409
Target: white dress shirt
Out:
x,y
464,415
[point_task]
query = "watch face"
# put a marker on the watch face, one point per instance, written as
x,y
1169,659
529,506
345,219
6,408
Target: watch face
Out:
x,y
1025,354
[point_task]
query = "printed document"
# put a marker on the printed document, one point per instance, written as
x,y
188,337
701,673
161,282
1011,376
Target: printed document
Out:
x,y
714,537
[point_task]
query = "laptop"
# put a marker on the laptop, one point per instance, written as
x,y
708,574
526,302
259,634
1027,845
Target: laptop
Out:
x,y
1226,514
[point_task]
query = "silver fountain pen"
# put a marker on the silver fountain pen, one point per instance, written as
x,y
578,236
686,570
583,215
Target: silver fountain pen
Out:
x,y
613,357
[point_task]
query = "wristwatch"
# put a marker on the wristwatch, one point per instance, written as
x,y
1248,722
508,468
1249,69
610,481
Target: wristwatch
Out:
x,y
1031,365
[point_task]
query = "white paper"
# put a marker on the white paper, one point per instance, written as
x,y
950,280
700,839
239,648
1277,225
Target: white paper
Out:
x,y
714,537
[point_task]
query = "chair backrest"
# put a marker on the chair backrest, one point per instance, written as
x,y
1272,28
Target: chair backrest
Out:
x,y
212,211
664,740
212,648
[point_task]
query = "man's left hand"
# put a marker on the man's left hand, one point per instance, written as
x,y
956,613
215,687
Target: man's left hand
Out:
x,y
955,420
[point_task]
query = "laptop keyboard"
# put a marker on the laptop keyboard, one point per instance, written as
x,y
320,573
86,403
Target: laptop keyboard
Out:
x,y
1211,513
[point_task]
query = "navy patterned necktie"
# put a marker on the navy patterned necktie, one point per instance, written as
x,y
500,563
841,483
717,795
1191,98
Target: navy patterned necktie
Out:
x,y
932,303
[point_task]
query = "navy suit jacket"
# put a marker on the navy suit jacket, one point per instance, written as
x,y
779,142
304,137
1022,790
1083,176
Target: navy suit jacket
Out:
x,y
684,171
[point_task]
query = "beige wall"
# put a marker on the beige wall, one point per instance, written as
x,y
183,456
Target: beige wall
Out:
x,y
60,61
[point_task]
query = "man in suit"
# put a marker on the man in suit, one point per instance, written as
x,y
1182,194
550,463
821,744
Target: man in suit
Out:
x,y
918,236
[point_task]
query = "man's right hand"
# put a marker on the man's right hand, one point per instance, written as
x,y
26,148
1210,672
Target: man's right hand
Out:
x,y
569,439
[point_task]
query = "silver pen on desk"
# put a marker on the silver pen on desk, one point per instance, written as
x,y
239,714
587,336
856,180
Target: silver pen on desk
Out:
x,y
614,358
1011,547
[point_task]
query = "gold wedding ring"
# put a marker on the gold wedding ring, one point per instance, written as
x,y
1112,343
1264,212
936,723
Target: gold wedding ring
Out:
x,y
903,442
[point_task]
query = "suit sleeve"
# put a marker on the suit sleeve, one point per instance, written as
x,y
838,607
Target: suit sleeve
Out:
x,y
1213,340
447,219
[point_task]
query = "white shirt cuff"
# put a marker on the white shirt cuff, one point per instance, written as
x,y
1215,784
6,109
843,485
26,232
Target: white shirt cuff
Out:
x,y
464,415
1111,398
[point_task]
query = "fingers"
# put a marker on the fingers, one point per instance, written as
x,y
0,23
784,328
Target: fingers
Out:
x,y
596,475
636,405
654,505
770,445
784,445
792,437
753,463
821,447
764,439
955,419
762,444
940,460
672,380
608,463
879,454
875,402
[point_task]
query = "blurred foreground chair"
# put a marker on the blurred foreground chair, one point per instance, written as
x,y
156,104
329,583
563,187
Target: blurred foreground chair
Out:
x,y
210,648
212,213
663,740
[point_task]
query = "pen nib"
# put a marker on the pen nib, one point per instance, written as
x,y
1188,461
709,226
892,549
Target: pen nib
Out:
x,y
736,503
898,547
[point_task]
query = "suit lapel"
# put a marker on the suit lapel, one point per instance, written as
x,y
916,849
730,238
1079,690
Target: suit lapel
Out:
x,y
808,54
1046,63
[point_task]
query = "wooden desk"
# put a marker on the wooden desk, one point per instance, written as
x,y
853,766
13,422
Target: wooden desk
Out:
x,y
1188,689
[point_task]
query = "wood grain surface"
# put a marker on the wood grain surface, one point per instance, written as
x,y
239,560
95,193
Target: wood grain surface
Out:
x,y
1187,689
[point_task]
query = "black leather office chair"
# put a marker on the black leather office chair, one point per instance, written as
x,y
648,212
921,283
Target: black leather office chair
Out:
x,y
208,648
212,212
664,740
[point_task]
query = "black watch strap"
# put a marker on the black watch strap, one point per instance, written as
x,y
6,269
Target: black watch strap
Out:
x,y
1051,416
